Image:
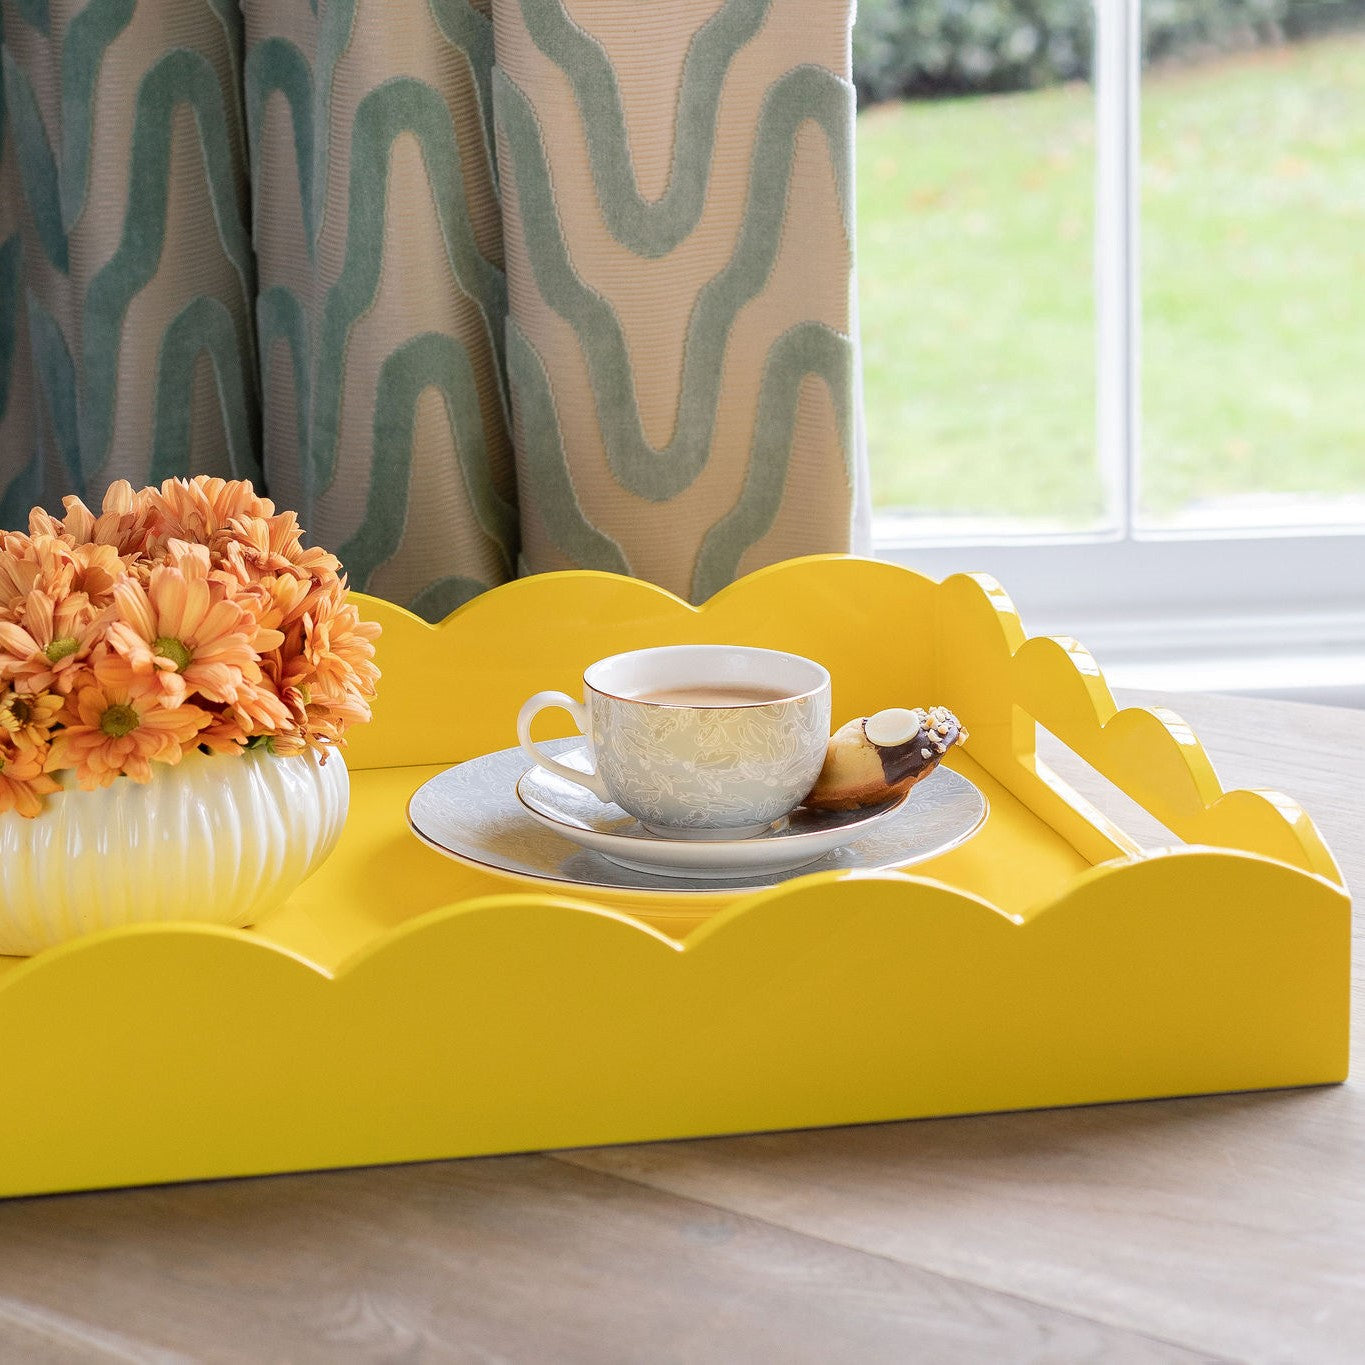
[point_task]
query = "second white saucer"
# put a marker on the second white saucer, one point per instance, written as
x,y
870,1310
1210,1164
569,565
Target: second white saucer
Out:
x,y
796,839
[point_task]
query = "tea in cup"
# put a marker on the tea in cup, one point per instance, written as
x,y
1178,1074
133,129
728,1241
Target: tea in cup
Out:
x,y
696,741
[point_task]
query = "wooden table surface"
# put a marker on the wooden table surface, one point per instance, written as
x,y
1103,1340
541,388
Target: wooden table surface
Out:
x,y
1222,1228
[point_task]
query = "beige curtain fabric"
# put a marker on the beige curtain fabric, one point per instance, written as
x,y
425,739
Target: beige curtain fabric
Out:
x,y
265,241
677,185
382,296
127,280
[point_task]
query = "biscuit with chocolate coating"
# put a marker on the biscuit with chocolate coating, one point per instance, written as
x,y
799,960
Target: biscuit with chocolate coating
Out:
x,y
876,758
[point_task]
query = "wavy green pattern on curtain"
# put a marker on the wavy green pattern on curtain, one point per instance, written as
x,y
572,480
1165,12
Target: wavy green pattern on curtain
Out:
x,y
22,492
87,39
661,474
810,348
10,265
719,365
651,228
109,328
546,469
336,22
26,486
266,241
470,32
276,64
400,105
37,165
198,264
424,515
36,13
280,318
437,363
178,78
56,373
57,195
203,327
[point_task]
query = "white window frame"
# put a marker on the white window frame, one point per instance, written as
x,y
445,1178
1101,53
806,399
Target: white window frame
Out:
x,y
1274,610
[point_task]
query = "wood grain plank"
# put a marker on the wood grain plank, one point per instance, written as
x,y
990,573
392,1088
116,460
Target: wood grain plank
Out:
x,y
514,1258
1233,1224
37,1336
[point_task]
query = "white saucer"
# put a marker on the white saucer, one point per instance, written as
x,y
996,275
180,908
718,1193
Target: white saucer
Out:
x,y
472,813
795,840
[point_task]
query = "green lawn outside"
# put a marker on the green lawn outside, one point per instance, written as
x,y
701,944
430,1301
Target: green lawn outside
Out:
x,y
976,294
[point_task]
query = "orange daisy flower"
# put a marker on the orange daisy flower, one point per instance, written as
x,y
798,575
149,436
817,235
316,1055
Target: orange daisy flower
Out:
x,y
224,734
196,562
95,570
30,562
336,652
174,617
23,783
182,632
121,524
18,569
53,645
254,546
328,670
28,717
276,600
258,713
116,724
196,509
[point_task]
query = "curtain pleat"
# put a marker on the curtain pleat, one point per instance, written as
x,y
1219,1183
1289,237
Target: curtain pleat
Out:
x,y
127,279
677,185
265,241
382,295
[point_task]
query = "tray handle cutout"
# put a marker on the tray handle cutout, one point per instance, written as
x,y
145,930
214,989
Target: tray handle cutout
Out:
x,y
1155,759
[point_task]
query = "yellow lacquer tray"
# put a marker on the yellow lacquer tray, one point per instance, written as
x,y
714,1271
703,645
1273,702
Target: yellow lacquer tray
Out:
x,y
401,1006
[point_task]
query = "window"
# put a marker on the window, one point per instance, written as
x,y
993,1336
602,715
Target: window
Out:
x,y
1114,334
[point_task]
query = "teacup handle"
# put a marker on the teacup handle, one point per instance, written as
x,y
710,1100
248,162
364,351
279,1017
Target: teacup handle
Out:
x,y
533,707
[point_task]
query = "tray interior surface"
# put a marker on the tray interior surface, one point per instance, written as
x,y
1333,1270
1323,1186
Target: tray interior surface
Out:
x,y
382,876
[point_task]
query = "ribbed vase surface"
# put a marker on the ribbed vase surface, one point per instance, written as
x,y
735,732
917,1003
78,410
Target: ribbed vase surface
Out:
x,y
220,840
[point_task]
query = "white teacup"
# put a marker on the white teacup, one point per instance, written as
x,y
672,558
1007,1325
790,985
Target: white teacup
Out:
x,y
696,741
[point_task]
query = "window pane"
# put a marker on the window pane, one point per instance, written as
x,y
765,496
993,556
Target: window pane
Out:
x,y
1253,275
977,305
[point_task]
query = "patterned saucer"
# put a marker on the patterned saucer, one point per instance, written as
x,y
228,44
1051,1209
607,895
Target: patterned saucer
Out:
x,y
791,842
474,813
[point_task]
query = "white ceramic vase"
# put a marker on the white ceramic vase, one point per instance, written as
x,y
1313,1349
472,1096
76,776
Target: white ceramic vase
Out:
x,y
219,840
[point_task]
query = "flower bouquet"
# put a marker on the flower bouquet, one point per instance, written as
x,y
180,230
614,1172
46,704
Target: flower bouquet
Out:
x,y
181,627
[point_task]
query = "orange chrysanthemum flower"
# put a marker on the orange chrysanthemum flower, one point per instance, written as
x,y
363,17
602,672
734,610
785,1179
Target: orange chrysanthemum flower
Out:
x,y
23,783
31,562
251,547
197,509
183,633
327,672
18,570
116,724
276,600
95,570
196,561
225,733
336,648
121,525
28,717
53,646
258,713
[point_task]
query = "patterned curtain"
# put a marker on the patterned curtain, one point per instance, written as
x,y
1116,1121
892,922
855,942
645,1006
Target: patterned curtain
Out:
x,y
265,241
